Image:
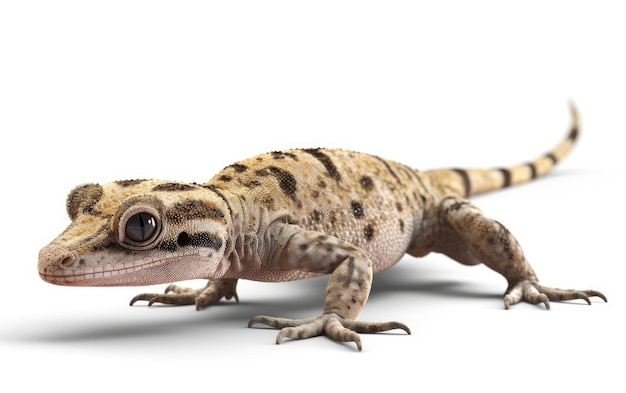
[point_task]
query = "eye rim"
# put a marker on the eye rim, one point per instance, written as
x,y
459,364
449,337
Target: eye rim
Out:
x,y
122,236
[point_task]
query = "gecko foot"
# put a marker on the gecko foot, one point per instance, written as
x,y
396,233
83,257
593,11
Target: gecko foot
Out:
x,y
177,295
335,327
533,292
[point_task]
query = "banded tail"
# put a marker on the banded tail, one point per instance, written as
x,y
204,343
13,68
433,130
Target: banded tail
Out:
x,y
476,181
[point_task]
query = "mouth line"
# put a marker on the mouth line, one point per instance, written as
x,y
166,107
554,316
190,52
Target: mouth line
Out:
x,y
70,276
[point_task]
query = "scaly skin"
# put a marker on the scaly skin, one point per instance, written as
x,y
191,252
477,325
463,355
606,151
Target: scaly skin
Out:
x,y
291,215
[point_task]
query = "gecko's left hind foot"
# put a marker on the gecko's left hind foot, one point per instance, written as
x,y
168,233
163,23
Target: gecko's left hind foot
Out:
x,y
335,327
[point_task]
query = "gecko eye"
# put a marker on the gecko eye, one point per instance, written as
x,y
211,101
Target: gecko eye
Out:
x,y
141,227
138,227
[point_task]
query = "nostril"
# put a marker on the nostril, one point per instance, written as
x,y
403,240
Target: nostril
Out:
x,y
68,261
54,257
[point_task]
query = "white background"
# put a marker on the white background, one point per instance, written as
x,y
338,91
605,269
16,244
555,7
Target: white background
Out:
x,y
100,91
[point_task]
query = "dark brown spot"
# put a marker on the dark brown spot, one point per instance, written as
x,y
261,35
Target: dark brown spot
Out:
x,y
357,209
317,216
183,239
401,222
367,183
252,183
279,155
174,187
368,232
239,168
194,209
128,183
286,181
303,247
399,207
331,169
225,178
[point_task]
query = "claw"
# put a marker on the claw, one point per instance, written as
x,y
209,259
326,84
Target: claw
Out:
x,y
583,296
149,297
597,294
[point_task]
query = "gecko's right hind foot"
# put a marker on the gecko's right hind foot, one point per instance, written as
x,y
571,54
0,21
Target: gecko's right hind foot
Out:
x,y
535,293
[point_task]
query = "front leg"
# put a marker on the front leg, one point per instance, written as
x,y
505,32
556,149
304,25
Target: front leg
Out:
x,y
348,288
470,238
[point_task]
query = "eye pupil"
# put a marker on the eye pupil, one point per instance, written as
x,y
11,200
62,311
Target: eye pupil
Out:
x,y
140,227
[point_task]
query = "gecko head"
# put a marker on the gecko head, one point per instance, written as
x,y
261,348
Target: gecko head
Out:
x,y
137,232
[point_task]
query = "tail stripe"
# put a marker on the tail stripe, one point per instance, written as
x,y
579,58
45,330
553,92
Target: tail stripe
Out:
x,y
552,157
466,180
533,170
506,175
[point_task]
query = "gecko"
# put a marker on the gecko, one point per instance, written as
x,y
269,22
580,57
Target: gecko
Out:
x,y
290,215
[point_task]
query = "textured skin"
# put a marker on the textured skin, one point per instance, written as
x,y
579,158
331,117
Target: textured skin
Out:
x,y
291,215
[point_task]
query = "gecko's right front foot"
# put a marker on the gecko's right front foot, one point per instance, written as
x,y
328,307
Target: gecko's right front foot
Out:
x,y
335,327
176,295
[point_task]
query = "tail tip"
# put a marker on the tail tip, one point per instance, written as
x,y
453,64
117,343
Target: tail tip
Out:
x,y
573,134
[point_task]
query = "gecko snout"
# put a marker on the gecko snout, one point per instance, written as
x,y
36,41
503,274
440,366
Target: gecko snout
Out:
x,y
53,260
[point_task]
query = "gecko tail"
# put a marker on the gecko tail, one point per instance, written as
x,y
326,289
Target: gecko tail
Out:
x,y
477,181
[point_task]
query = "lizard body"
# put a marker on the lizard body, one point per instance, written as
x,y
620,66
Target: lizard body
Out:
x,y
288,215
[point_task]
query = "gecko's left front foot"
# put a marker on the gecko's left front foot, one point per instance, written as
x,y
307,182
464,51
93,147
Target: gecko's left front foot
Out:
x,y
335,327
535,293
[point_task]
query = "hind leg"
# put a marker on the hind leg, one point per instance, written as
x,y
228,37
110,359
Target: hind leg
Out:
x,y
469,237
